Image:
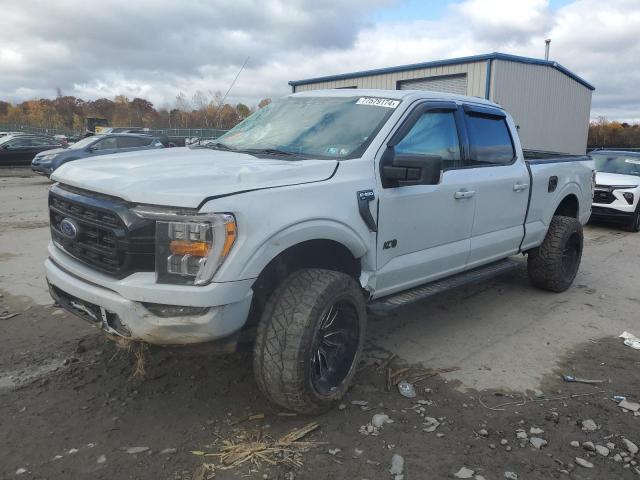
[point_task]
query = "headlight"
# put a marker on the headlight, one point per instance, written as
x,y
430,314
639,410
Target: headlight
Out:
x,y
49,157
190,247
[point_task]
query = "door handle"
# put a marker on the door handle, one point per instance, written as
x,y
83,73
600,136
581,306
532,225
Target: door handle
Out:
x,y
464,193
518,187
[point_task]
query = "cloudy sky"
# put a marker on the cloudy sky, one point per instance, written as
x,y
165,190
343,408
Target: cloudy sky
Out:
x,y
158,48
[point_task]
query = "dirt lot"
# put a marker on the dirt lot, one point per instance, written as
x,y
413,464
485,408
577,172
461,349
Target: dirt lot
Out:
x,y
70,409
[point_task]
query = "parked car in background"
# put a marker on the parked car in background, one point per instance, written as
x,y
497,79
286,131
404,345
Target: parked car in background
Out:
x,y
96,145
20,149
617,188
4,134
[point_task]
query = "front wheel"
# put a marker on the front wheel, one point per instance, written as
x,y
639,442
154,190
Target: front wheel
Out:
x,y
553,266
309,340
634,221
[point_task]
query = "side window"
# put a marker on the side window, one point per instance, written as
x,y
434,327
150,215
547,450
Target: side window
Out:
x,y
133,142
20,142
435,133
106,144
489,140
43,141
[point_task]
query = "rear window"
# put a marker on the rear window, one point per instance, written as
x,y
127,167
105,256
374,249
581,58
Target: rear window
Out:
x,y
489,140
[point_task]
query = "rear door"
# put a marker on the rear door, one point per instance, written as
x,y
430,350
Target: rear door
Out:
x,y
424,230
501,183
19,150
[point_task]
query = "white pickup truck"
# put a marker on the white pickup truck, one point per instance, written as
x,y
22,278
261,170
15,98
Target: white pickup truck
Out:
x,y
316,209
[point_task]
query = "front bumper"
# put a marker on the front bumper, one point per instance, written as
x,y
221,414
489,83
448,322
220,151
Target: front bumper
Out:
x,y
228,307
610,214
42,169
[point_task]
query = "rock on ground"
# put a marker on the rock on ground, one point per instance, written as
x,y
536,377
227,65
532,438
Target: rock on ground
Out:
x,y
602,450
583,463
589,425
538,442
630,446
397,465
464,472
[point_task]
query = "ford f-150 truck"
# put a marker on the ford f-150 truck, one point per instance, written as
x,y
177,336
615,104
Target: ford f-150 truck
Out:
x,y
313,211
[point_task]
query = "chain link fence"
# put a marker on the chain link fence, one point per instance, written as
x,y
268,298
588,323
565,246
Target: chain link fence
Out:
x,y
169,132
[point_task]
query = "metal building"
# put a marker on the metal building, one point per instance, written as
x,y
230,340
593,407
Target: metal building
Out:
x,y
549,103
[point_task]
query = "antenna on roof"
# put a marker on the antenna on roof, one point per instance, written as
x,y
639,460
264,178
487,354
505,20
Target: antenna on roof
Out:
x,y
547,42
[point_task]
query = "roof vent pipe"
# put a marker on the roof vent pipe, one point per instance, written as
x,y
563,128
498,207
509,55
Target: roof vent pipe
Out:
x,y
547,42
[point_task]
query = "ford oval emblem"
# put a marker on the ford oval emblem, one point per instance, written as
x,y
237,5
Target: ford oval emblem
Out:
x,y
69,228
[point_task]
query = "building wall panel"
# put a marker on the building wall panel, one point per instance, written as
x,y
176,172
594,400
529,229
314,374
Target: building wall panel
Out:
x,y
551,109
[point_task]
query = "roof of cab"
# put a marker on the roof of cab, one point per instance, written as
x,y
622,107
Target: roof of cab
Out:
x,y
395,95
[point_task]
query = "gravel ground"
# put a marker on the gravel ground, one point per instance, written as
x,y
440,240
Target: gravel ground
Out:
x,y
70,408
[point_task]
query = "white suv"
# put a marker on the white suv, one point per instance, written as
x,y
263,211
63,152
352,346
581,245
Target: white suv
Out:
x,y
617,188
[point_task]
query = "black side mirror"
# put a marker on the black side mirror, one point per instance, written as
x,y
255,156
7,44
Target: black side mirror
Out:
x,y
410,169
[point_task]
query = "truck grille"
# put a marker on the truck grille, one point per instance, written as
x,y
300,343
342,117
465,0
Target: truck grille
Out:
x,y
101,231
603,196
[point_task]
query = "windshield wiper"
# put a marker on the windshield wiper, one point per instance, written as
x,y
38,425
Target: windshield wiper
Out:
x,y
270,151
217,146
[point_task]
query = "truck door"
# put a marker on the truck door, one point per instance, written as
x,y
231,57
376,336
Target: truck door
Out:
x,y
424,228
501,182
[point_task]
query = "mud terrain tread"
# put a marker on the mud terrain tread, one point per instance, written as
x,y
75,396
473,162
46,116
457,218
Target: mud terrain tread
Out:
x,y
544,264
285,335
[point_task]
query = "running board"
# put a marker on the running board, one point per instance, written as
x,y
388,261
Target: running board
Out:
x,y
416,294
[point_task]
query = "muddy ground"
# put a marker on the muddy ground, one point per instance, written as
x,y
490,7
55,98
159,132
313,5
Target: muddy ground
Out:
x,y
83,398
69,407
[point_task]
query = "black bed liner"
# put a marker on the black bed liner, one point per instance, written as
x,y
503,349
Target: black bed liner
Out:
x,y
534,157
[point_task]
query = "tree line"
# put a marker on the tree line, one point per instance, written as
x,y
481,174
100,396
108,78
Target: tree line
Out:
x,y
611,134
69,113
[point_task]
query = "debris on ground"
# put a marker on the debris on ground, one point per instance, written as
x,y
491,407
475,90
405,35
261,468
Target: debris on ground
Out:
x,y
627,405
135,450
379,419
102,459
571,378
256,449
406,389
511,475
7,316
631,340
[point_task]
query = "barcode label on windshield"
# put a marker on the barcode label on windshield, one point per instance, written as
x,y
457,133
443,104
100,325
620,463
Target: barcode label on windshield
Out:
x,y
378,102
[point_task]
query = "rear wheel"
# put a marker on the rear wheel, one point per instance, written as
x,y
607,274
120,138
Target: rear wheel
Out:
x,y
309,340
553,266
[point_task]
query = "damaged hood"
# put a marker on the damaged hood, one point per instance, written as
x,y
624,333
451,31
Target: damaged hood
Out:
x,y
184,177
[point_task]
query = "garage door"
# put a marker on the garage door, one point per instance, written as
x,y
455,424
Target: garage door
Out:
x,y
448,84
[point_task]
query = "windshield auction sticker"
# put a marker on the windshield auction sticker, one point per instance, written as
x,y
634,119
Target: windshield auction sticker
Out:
x,y
378,102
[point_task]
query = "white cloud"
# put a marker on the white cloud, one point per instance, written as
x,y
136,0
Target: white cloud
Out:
x,y
157,49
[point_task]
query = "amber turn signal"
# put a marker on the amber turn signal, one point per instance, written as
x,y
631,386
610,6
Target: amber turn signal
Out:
x,y
184,247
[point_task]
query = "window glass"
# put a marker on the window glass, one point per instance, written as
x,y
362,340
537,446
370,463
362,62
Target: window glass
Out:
x,y
43,141
106,144
133,142
434,133
20,142
489,140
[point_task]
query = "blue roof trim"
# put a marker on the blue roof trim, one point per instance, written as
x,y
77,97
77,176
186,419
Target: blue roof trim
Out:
x,y
451,61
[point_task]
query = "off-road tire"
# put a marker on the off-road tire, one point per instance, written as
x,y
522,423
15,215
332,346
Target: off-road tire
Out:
x,y
286,331
634,221
545,263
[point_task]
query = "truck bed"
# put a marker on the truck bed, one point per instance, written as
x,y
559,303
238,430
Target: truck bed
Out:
x,y
534,157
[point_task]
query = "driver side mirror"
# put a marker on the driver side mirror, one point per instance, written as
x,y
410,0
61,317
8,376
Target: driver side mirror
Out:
x,y
410,169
